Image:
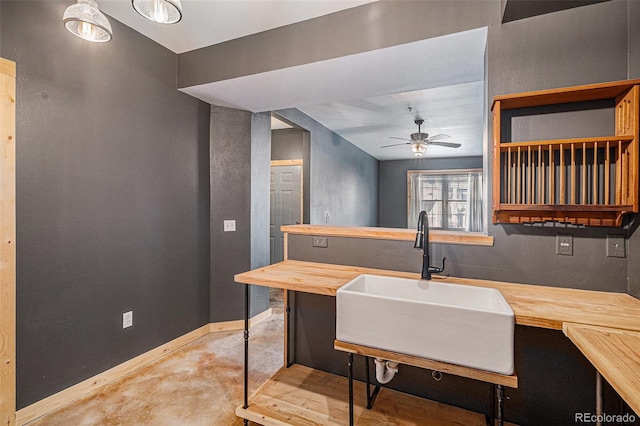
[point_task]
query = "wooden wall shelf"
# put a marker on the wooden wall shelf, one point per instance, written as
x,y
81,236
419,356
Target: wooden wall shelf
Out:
x,y
440,236
583,181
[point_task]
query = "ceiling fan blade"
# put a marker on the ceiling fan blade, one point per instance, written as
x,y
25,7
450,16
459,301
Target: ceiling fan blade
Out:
x,y
440,136
396,144
402,139
447,144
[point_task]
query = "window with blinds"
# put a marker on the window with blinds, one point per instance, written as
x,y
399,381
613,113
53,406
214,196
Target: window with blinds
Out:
x,y
452,199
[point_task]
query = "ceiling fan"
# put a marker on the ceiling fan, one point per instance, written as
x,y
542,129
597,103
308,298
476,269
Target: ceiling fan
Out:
x,y
420,141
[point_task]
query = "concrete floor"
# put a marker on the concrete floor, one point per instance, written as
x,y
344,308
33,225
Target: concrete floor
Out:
x,y
198,384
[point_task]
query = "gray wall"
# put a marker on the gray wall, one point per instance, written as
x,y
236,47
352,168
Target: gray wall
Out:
x,y
343,178
634,39
547,51
286,144
553,50
260,188
392,209
360,29
633,243
112,199
521,9
233,135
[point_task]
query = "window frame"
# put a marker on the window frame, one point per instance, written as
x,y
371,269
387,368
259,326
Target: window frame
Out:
x,y
439,172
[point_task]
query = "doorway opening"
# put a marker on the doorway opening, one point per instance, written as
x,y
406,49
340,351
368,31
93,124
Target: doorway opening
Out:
x,y
289,150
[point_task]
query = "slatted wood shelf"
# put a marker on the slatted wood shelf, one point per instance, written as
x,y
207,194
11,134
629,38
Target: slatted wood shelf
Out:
x,y
600,141
299,395
585,181
586,215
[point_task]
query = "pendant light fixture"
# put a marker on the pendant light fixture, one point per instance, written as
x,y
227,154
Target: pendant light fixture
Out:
x,y
161,11
85,20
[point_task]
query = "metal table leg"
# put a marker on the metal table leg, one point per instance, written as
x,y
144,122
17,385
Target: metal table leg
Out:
x,y
491,417
599,398
350,389
366,368
287,327
500,403
371,398
246,350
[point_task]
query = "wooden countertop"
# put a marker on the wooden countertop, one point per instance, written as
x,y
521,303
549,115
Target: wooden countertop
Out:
x,y
536,306
615,354
398,234
309,277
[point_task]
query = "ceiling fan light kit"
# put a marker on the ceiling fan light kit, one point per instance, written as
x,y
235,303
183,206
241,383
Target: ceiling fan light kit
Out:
x,y
420,141
418,149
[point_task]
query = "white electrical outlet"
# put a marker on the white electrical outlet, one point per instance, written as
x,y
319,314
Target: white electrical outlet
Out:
x,y
127,319
229,225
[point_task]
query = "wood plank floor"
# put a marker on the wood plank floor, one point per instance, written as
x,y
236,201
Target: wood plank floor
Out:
x,y
302,396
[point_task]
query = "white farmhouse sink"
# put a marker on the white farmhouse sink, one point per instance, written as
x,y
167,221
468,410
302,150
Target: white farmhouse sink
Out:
x,y
457,324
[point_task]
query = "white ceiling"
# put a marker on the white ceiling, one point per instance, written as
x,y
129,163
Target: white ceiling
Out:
x,y
366,100
207,22
368,123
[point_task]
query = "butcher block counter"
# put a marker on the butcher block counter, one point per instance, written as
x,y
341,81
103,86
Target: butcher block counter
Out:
x,y
533,305
595,321
616,355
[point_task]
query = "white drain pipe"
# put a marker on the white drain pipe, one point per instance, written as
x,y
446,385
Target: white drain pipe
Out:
x,y
385,370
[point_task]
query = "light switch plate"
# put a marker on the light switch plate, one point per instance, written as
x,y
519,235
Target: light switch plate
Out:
x,y
564,244
229,225
615,246
127,319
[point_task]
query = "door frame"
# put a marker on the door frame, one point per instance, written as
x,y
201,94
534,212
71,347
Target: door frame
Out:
x,y
279,163
7,242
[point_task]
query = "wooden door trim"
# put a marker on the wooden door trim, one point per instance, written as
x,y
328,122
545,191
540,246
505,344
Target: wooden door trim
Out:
x,y
7,242
276,163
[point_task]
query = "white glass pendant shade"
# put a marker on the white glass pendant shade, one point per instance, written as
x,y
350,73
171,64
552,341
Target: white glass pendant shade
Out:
x,y
161,11
418,149
85,20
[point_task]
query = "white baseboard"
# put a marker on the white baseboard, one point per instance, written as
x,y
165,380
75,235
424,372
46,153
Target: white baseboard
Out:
x,y
64,397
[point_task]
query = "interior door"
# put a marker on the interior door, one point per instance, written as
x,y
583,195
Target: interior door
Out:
x,y
285,206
